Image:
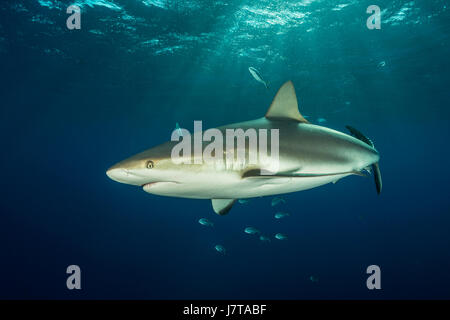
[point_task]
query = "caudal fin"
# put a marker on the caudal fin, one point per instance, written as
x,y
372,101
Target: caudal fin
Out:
x,y
377,176
375,167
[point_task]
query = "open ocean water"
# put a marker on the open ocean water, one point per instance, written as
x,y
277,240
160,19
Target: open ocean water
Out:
x,y
74,102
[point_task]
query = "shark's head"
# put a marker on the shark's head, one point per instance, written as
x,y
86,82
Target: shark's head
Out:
x,y
146,168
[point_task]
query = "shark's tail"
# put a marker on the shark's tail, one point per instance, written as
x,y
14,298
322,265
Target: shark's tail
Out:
x,y
375,167
377,175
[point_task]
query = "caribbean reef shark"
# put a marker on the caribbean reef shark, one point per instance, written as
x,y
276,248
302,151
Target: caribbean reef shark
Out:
x,y
309,156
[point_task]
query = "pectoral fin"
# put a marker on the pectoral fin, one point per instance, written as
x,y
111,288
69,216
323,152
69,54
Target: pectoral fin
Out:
x,y
222,206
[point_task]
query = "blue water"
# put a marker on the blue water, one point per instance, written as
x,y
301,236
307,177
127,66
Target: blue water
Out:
x,y
74,102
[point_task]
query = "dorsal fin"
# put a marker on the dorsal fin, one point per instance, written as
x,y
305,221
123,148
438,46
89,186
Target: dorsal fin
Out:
x,y
284,106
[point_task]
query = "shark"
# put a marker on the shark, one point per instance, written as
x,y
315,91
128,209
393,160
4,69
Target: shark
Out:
x,y
309,156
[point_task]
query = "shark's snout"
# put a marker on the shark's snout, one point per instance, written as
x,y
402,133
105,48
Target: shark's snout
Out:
x,y
127,176
117,174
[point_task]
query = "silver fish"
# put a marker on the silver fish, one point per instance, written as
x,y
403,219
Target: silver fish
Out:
x,y
205,222
251,230
277,200
257,75
221,249
281,236
280,215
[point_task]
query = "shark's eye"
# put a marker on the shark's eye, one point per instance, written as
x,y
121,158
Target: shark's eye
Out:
x,y
150,164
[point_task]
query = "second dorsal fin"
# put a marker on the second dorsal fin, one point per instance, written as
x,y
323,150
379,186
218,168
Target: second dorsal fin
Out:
x,y
284,106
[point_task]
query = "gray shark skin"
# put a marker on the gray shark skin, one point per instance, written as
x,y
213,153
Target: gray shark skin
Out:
x,y
309,156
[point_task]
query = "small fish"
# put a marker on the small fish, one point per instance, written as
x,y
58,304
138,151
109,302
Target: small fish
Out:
x,y
177,127
221,249
321,120
264,238
251,230
313,279
243,201
205,222
281,236
382,64
255,73
277,200
281,215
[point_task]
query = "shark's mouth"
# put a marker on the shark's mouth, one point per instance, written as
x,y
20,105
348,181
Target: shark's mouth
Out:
x,y
148,185
151,185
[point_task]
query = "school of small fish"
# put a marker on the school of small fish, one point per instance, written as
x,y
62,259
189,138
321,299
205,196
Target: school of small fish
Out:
x,y
276,201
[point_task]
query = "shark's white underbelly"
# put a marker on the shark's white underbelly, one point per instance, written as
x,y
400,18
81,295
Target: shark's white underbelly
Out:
x,y
236,188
